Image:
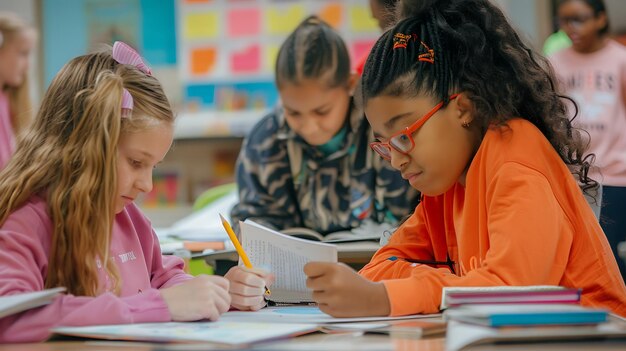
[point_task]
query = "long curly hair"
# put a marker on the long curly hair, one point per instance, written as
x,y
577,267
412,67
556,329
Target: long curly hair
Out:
x,y
477,52
69,158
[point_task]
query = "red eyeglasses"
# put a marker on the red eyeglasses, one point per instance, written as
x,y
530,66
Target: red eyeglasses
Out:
x,y
403,141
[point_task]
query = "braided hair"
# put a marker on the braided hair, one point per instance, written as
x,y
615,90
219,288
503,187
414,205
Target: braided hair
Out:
x,y
314,50
476,51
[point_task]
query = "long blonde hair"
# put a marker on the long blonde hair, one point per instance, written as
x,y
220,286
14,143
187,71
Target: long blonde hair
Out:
x,y
19,97
69,157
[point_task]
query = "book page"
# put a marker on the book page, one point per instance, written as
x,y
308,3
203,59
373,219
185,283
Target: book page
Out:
x,y
367,231
304,233
11,304
285,256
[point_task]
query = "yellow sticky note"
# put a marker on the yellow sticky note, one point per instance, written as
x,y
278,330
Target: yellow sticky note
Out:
x,y
361,20
270,53
201,25
284,21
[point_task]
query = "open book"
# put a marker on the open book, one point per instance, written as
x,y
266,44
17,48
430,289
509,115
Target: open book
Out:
x,y
12,304
225,334
368,231
285,256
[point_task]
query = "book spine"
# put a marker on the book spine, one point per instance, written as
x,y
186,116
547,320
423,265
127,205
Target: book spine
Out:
x,y
522,319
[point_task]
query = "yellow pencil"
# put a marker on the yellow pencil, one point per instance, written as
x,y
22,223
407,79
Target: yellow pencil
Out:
x,y
238,247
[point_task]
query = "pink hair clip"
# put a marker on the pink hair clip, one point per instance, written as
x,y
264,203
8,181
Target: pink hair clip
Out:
x,y
124,54
127,104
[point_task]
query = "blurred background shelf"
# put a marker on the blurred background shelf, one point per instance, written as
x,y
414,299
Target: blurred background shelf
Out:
x,y
216,124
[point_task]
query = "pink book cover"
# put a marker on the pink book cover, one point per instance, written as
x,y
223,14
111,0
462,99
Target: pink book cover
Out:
x,y
558,295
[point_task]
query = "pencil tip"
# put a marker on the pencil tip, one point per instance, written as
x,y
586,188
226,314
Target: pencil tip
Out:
x,y
222,217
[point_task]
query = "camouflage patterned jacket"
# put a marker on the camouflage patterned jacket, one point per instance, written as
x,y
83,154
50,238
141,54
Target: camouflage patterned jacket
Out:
x,y
284,182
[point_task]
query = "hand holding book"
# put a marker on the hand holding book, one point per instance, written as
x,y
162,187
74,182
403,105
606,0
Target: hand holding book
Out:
x,y
342,292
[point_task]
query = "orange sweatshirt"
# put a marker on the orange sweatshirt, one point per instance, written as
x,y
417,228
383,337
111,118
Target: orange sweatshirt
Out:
x,y
521,219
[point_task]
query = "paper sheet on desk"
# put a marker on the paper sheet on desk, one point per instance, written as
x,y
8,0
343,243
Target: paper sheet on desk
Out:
x,y
203,225
303,314
220,332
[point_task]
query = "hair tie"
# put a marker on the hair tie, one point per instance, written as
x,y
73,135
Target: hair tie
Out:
x,y
124,54
428,56
401,40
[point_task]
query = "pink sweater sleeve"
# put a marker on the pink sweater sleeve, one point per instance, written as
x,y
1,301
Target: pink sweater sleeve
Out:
x,y
24,249
67,310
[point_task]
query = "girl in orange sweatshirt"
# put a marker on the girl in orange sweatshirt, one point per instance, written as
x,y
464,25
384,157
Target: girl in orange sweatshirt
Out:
x,y
471,118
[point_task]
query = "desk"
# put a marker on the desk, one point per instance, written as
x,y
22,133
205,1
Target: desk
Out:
x,y
318,342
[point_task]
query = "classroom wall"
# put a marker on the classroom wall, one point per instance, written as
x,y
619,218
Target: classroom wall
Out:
x,y
205,156
27,9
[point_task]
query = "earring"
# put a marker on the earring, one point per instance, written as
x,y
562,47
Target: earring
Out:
x,y
466,124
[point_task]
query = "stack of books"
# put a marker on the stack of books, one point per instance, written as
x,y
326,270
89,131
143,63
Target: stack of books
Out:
x,y
536,294
522,314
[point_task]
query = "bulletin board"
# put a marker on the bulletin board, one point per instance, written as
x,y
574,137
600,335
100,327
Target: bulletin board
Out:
x,y
227,48
75,27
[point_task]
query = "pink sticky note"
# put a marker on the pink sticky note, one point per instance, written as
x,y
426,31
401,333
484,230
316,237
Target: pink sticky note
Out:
x,y
243,22
361,49
247,60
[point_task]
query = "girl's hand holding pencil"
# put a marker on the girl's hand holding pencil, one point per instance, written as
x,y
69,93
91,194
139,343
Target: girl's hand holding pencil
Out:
x,y
248,287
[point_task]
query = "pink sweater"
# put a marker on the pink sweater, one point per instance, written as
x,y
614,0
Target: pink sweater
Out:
x,y
24,248
7,138
596,82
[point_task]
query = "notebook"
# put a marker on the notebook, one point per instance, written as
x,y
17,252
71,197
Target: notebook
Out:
x,y
455,296
239,334
504,315
367,231
12,304
395,328
460,336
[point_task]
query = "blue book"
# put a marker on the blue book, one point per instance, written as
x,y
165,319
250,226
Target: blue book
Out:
x,y
504,315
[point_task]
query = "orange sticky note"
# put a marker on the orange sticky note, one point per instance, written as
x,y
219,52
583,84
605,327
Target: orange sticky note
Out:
x,y
202,60
332,14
